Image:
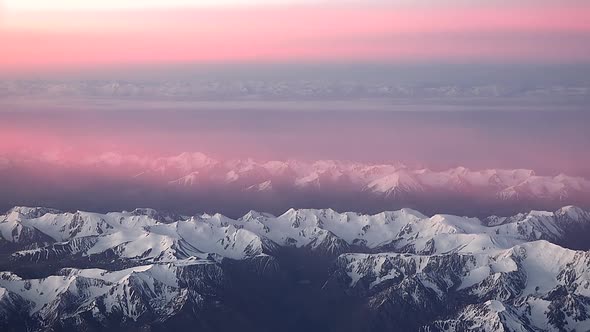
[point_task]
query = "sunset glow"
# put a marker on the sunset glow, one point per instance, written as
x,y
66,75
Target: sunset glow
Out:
x,y
54,38
432,84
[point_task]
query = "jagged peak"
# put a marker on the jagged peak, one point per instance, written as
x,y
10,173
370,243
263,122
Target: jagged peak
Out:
x,y
252,215
289,213
540,213
144,212
412,212
573,212
32,212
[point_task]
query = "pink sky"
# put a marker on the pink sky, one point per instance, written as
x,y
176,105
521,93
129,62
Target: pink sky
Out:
x,y
58,39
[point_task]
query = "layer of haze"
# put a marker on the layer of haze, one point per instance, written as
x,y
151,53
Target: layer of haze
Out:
x,y
547,142
478,116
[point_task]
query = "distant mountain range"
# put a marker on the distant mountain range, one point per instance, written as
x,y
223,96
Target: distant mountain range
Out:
x,y
398,270
194,171
277,185
277,89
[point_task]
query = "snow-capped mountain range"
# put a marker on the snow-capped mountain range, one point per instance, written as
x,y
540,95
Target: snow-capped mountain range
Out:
x,y
401,269
388,180
197,172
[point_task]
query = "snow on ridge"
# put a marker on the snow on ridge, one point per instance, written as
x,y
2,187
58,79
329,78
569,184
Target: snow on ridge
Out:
x,y
145,234
506,264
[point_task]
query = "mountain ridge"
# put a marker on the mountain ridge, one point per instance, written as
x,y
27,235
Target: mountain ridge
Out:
x,y
395,268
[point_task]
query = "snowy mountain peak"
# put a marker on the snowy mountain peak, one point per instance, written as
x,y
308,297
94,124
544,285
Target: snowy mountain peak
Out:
x,y
573,212
31,212
396,184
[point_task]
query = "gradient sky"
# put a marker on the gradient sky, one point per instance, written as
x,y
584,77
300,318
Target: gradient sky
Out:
x,y
435,83
115,35
67,34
